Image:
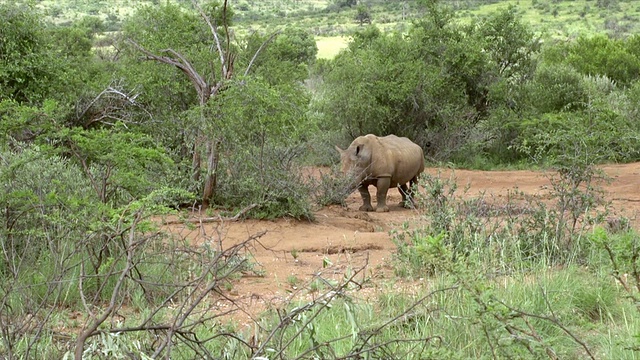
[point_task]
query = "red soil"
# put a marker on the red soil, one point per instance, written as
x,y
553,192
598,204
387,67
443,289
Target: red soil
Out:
x,y
291,253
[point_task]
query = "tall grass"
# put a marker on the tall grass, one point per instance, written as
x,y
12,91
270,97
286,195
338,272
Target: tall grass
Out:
x,y
560,313
533,276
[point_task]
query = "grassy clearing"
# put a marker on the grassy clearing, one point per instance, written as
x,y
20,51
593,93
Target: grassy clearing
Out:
x,y
568,19
329,47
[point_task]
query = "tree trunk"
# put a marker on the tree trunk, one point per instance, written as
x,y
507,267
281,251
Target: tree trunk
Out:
x,y
196,160
212,171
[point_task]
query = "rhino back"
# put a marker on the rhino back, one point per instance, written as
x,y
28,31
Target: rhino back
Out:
x,y
404,159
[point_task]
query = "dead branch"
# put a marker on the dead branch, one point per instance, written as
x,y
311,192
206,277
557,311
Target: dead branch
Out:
x,y
225,23
214,32
362,354
218,218
552,319
323,302
406,315
114,102
188,307
184,65
262,46
182,326
87,331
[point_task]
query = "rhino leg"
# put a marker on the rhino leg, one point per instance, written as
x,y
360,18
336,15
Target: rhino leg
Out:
x,y
406,194
412,186
383,186
408,200
366,198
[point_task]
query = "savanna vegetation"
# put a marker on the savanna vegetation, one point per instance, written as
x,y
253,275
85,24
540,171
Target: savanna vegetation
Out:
x,y
109,119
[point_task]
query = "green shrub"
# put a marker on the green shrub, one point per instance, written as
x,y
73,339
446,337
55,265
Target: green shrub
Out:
x,y
600,55
48,205
332,188
270,177
557,87
599,133
122,165
523,231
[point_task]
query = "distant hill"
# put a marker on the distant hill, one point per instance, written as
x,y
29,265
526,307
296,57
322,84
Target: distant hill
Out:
x,y
335,18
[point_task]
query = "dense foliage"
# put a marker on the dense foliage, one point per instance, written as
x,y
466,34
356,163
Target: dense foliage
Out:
x,y
481,88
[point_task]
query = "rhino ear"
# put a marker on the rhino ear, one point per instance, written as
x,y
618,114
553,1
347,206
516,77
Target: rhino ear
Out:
x,y
362,154
339,150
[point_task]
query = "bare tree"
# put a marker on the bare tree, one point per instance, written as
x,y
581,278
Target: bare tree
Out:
x,y
206,90
113,104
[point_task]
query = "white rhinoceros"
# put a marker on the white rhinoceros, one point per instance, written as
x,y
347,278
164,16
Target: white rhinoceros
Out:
x,y
382,162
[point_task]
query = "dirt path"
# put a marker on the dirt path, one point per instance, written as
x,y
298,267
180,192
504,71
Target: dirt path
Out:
x,y
292,253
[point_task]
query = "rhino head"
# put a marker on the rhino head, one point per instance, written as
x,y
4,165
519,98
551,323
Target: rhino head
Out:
x,y
355,161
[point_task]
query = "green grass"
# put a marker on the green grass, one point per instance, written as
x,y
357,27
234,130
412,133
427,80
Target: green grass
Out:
x,y
454,321
568,19
329,47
